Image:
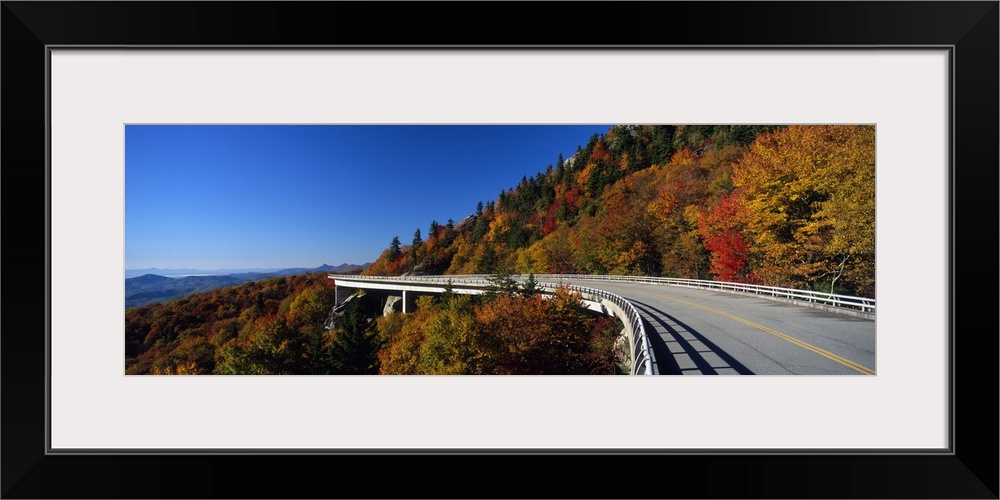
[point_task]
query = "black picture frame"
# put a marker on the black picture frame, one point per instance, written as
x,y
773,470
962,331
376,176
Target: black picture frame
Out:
x,y
970,29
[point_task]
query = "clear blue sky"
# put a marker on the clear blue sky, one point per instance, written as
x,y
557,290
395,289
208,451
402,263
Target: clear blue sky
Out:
x,y
225,197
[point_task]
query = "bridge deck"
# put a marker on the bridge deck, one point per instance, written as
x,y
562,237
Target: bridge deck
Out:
x,y
706,332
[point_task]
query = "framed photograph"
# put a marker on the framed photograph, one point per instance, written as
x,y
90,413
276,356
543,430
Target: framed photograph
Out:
x,y
82,80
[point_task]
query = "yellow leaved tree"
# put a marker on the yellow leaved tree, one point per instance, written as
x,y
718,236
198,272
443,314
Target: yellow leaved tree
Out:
x,y
809,195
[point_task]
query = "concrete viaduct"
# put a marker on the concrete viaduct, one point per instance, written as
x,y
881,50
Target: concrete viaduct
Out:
x,y
696,327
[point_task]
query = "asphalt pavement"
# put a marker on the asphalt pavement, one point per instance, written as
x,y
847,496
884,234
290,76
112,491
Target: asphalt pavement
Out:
x,y
704,332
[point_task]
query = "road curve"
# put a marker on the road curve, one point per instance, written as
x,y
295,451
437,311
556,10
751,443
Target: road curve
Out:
x,y
703,332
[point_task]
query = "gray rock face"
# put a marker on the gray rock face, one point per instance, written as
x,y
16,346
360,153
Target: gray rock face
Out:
x,y
392,303
568,162
465,223
336,312
418,270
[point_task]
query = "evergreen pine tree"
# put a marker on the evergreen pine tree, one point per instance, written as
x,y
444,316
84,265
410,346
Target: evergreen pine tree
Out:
x,y
488,261
354,351
530,287
449,233
449,292
394,247
502,282
417,241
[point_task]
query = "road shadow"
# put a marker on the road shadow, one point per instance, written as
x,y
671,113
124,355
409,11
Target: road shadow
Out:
x,y
688,351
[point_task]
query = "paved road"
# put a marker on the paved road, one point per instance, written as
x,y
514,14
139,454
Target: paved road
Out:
x,y
698,332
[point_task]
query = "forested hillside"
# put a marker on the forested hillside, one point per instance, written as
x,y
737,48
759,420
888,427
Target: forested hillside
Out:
x,y
280,327
268,326
782,206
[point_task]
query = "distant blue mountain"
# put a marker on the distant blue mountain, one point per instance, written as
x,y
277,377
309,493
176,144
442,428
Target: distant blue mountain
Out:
x,y
150,279
151,288
133,273
325,268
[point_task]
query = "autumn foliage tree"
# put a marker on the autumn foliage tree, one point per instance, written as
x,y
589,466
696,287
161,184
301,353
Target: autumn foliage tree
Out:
x,y
783,206
500,334
723,231
809,198
269,327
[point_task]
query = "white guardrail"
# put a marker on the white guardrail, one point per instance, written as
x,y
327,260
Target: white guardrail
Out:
x,y
642,360
862,304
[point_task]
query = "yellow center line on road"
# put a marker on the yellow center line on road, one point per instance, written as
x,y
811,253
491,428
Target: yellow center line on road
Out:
x,y
805,345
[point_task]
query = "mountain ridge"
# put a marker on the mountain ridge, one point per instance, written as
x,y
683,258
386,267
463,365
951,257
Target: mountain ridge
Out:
x,y
152,288
185,271
789,206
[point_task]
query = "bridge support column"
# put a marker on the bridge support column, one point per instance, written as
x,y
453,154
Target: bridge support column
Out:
x,y
409,301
